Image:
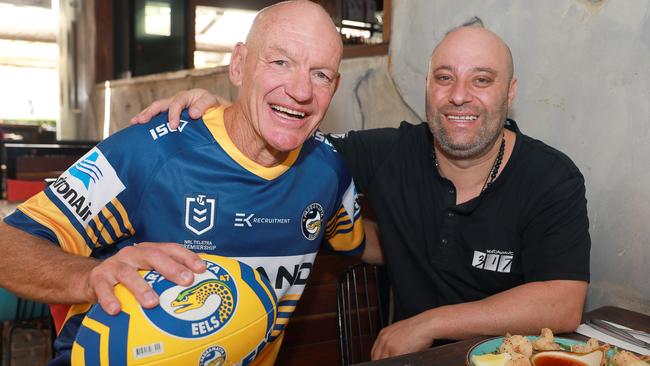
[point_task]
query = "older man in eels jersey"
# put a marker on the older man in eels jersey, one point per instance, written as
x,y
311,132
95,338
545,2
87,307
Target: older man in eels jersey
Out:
x,y
248,181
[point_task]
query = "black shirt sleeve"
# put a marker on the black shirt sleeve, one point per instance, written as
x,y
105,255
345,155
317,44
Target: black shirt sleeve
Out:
x,y
365,151
556,237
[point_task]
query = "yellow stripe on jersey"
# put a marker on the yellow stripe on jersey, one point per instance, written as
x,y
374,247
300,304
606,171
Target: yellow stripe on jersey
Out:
x,y
342,234
332,224
91,232
214,120
40,209
286,308
105,235
286,297
124,215
112,221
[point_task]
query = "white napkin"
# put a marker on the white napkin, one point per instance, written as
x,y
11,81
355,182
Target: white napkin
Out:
x,y
587,330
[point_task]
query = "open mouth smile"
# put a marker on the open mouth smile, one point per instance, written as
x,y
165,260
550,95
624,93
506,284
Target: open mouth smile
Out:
x,y
287,112
461,118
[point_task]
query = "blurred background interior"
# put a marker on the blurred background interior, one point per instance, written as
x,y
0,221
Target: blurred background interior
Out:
x,y
72,72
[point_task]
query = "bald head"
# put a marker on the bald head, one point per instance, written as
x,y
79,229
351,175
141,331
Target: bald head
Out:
x,y
482,42
296,15
470,89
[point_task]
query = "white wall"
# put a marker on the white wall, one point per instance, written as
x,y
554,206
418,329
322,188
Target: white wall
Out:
x,y
584,87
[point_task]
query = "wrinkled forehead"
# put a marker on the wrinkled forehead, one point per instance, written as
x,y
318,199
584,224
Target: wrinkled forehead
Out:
x,y
301,39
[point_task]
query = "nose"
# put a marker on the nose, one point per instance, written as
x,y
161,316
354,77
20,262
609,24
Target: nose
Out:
x,y
299,86
459,93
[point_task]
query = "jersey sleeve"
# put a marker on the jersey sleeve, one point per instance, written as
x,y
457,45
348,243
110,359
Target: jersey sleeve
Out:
x,y
365,151
93,203
344,229
556,238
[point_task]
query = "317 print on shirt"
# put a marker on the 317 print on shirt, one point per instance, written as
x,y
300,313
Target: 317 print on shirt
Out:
x,y
493,260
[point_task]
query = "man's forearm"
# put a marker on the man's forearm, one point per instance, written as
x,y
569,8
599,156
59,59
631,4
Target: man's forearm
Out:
x,y
525,309
372,252
36,269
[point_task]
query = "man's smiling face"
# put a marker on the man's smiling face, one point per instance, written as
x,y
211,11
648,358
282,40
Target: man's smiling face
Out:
x,y
469,91
289,75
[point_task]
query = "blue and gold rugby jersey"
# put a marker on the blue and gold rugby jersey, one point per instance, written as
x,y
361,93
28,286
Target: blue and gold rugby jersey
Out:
x,y
193,186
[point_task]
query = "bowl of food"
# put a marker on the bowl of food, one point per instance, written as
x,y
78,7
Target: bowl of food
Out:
x,y
548,350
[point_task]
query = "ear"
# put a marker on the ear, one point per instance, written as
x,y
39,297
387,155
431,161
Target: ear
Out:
x,y
336,83
237,62
511,92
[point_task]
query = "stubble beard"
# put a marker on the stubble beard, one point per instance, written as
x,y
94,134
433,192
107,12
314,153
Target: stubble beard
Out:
x,y
489,132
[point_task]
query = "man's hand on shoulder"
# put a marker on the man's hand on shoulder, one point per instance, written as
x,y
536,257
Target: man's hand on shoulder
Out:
x,y
173,261
198,101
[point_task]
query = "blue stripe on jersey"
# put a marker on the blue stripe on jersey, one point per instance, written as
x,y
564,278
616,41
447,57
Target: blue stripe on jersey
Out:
x,y
278,327
89,340
73,221
117,334
249,277
284,314
342,214
93,226
118,217
288,303
107,227
346,222
23,222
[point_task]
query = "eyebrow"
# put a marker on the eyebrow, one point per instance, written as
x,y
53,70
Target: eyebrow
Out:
x,y
474,69
292,57
283,51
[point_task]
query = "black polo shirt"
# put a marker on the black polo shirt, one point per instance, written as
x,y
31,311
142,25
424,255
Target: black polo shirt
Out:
x,y
530,225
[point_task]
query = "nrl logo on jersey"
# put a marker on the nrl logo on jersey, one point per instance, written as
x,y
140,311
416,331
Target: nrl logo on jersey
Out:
x,y
312,221
199,213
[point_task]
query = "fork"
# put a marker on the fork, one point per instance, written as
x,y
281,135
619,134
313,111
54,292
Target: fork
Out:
x,y
617,332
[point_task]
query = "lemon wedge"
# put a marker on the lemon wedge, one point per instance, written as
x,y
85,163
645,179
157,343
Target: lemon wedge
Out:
x,y
491,359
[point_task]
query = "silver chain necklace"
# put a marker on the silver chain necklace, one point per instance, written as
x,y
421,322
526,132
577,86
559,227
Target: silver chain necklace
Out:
x,y
492,175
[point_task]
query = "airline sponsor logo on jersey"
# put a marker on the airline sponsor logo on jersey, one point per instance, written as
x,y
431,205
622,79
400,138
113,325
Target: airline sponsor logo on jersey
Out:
x,y
88,186
199,213
165,128
493,260
243,219
311,222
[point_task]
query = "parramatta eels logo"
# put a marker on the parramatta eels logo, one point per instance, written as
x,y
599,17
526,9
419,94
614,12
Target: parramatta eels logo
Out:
x,y
312,221
213,356
86,170
196,311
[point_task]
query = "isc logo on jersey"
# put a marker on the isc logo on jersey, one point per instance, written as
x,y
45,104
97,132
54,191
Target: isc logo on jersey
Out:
x,y
87,186
224,317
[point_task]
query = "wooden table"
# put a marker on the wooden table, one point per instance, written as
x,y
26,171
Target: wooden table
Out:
x,y
454,354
